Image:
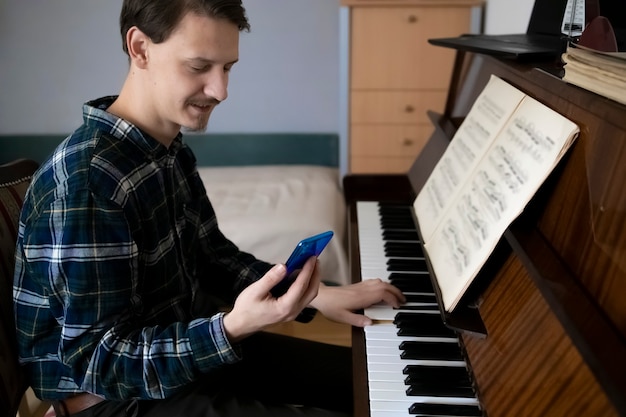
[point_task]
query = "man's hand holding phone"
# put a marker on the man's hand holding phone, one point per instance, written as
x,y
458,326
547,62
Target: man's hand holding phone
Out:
x,y
256,308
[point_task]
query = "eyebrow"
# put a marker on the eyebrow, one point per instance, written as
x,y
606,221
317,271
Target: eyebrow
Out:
x,y
206,61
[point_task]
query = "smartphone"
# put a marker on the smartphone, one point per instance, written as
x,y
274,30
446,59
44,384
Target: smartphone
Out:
x,y
311,246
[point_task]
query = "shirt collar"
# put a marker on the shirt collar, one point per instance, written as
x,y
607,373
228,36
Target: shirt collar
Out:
x,y
95,115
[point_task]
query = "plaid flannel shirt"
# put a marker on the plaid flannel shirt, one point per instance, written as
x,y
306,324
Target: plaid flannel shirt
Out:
x,y
118,245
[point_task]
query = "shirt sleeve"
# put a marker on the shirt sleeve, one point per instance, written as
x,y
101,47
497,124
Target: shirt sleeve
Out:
x,y
81,250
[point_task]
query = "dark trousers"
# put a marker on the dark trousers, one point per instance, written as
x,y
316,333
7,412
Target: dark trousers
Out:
x,y
279,376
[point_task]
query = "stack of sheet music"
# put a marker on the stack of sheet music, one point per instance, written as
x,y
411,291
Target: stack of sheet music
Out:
x,y
603,73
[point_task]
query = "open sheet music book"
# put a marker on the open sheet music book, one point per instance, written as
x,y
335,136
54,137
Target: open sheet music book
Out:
x,y
501,154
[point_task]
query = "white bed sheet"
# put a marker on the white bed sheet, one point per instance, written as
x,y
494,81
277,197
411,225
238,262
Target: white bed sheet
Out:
x,y
266,210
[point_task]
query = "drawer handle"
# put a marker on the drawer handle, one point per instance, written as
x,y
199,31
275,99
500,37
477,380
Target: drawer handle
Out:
x,y
409,108
407,142
412,18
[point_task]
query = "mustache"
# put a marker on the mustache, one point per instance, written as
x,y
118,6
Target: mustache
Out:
x,y
204,102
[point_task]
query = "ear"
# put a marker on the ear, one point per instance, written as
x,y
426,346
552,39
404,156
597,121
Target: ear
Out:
x,y
137,43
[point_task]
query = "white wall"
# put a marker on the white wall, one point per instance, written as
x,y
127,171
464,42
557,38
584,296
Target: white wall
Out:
x,y
55,55
507,16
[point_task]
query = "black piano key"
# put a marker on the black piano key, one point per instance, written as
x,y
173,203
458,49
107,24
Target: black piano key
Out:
x,y
458,380
420,298
400,235
432,307
424,325
401,264
432,321
419,280
398,222
410,276
430,350
408,286
391,245
419,331
430,409
397,209
395,222
440,390
411,282
408,252
428,373
403,253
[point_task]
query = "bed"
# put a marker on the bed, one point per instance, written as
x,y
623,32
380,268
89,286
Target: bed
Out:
x,y
267,210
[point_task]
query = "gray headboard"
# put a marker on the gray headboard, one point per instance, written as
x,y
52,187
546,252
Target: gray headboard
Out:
x,y
211,149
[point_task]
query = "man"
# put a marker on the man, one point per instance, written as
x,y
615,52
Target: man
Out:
x,y
122,272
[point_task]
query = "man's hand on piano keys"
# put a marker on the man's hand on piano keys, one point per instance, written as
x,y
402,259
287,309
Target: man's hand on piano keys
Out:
x,y
340,303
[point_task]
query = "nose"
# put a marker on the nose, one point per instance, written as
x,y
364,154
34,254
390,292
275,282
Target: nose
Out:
x,y
216,84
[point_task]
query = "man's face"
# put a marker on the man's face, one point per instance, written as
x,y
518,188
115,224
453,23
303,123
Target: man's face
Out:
x,y
188,73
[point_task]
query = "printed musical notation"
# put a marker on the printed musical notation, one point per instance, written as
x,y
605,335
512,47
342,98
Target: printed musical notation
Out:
x,y
501,154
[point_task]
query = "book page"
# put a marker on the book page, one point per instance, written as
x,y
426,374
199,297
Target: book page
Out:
x,y
513,168
484,121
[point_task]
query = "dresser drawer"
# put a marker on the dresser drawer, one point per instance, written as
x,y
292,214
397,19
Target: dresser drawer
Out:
x,y
390,49
395,106
389,140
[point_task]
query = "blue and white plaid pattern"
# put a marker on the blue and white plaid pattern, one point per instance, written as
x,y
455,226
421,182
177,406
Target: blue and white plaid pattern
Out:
x,y
117,243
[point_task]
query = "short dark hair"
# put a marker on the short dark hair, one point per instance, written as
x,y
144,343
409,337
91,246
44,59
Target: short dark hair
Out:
x,y
158,18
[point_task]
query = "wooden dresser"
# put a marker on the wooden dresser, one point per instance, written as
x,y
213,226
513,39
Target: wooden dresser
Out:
x,y
395,76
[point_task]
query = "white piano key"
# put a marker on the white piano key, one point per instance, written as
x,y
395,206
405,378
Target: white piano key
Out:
x,y
386,367
375,366
383,338
400,396
383,376
393,386
387,312
390,406
390,360
396,391
387,413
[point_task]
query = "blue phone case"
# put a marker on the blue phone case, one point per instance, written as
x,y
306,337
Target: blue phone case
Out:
x,y
311,246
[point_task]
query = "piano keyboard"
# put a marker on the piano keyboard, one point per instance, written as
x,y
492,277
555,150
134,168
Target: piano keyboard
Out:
x,y
414,362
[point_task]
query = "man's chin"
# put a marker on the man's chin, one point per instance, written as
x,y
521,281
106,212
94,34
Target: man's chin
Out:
x,y
198,127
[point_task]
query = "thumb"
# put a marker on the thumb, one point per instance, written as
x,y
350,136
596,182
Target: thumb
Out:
x,y
357,320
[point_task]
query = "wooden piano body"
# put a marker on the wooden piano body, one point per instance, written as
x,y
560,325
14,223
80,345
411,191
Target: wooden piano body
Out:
x,y
555,307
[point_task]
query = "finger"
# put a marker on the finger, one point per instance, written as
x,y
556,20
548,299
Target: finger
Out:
x,y
390,298
397,292
391,294
309,265
313,284
308,279
272,277
300,285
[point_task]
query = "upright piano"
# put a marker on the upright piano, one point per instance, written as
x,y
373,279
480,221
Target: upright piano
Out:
x,y
551,299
